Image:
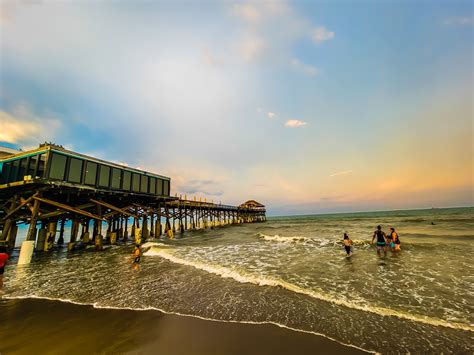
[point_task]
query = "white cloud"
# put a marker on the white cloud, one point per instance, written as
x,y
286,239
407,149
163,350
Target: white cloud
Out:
x,y
256,12
271,114
251,48
321,34
22,127
341,173
304,68
269,30
459,21
295,123
247,12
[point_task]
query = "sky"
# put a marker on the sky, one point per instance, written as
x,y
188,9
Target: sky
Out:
x,y
304,106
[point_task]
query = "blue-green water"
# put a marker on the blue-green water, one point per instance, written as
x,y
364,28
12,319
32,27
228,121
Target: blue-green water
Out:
x,y
291,271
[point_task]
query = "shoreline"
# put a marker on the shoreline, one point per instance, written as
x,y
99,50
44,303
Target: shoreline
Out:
x,y
56,326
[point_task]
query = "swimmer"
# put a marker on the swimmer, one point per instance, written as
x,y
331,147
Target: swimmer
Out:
x,y
347,244
381,240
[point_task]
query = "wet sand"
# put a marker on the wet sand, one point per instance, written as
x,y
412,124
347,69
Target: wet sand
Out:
x,y
32,326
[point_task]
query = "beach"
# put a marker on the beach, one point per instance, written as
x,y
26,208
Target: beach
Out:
x,y
33,326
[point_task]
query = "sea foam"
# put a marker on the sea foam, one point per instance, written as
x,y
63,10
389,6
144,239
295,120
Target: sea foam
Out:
x,y
260,280
277,238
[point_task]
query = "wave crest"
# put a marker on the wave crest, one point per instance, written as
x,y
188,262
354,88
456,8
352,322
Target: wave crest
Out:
x,y
277,238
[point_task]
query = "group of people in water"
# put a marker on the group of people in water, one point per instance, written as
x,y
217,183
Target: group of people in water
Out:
x,y
383,241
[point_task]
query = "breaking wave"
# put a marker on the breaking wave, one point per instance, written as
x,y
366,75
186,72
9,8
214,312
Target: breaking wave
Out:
x,y
260,280
277,238
153,244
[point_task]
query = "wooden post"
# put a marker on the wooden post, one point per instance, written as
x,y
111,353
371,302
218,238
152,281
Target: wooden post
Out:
x,y
61,232
34,219
98,238
26,251
125,231
152,225
74,232
9,223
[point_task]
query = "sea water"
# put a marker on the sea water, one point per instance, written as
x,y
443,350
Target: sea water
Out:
x,y
293,272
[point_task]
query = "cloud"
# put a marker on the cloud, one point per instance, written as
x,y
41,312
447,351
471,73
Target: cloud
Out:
x,y
295,123
23,127
247,12
259,11
251,48
271,114
304,68
204,186
321,34
271,30
345,172
459,21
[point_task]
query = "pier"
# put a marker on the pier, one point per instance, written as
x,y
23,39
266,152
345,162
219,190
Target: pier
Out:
x,y
103,202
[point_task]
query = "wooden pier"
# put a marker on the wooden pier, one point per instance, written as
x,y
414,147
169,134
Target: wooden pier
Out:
x,y
104,202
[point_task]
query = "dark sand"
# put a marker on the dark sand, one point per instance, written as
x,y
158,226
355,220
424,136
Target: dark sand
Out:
x,y
49,327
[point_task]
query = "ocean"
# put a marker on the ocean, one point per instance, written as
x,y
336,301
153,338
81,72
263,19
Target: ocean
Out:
x,y
291,272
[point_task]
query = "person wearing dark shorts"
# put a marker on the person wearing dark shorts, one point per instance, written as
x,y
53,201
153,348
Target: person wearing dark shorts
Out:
x,y
347,244
3,260
381,241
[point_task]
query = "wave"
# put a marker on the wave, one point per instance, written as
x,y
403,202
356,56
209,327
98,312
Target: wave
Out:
x,y
436,220
97,306
259,280
355,242
320,242
277,238
153,244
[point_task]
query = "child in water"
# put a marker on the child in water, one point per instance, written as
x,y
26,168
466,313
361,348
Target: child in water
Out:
x,y
136,254
347,244
136,258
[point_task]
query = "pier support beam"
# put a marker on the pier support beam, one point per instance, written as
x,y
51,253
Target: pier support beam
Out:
x,y
61,232
74,232
27,247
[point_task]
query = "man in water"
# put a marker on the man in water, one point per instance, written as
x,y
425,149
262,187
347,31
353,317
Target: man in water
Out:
x,y
347,244
381,240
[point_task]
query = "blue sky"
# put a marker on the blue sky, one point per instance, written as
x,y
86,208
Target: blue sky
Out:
x,y
305,106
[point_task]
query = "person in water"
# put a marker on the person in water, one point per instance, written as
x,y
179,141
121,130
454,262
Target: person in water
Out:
x,y
136,254
381,240
394,240
347,244
3,259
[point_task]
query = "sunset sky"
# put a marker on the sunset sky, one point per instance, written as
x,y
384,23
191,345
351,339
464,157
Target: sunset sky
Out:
x,y
307,107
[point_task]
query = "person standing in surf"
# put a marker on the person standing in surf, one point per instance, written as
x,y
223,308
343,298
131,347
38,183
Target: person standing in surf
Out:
x,y
381,241
394,240
347,244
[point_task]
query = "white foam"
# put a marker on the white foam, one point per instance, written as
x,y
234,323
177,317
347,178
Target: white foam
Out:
x,y
260,280
277,238
354,242
153,244
97,306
